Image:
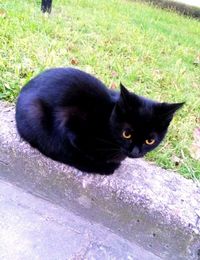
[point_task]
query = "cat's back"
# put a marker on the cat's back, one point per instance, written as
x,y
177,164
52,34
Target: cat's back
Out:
x,y
63,85
57,94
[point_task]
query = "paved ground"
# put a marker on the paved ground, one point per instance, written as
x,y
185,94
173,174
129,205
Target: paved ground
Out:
x,y
190,2
186,7
31,228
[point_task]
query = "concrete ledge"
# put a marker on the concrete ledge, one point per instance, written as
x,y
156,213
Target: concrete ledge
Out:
x,y
157,209
180,6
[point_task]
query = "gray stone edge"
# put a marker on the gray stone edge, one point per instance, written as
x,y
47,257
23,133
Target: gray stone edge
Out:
x,y
157,209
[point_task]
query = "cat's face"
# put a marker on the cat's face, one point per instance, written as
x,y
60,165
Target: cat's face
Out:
x,y
138,124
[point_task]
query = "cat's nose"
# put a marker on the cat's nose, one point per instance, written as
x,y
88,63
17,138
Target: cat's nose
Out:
x,y
135,152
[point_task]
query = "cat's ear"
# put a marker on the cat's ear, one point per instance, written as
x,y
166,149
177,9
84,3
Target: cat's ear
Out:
x,y
167,110
164,113
123,101
127,98
123,91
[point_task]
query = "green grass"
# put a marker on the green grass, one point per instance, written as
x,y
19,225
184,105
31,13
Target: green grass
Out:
x,y
151,51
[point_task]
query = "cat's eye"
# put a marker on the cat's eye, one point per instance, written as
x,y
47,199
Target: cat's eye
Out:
x,y
150,141
126,134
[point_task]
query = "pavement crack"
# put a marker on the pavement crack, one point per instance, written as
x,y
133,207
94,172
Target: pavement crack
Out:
x,y
4,163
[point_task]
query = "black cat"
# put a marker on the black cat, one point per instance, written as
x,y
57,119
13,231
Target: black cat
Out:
x,y
71,117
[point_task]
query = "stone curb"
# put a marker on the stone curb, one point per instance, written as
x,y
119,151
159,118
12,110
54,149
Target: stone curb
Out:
x,y
179,6
157,209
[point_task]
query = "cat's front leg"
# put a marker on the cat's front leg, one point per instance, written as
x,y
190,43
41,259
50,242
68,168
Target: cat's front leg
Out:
x,y
89,166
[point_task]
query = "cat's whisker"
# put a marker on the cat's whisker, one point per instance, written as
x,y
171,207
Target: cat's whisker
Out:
x,y
107,141
114,156
107,149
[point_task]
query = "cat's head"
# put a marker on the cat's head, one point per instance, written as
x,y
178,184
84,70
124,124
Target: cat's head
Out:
x,y
138,124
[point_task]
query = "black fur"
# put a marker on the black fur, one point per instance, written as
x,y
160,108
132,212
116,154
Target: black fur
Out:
x,y
71,117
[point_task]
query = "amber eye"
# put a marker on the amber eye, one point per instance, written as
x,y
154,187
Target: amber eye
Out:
x,y
126,134
150,141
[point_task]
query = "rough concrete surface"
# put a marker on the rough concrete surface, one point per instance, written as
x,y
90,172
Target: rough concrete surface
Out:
x,y
155,208
32,228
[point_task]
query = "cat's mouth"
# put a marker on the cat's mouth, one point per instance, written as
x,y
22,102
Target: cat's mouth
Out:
x,y
135,155
135,152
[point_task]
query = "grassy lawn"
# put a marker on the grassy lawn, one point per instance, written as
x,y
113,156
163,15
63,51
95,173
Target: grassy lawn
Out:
x,y
153,52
